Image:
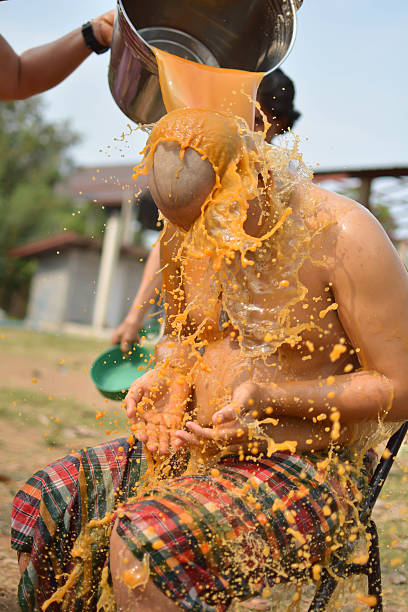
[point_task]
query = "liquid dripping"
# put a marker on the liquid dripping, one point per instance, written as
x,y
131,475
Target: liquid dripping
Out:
x,y
255,278
239,157
188,84
137,578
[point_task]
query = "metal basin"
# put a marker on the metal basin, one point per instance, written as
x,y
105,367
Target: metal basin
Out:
x,y
253,35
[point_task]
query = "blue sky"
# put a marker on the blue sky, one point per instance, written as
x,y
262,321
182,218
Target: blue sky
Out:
x,y
349,65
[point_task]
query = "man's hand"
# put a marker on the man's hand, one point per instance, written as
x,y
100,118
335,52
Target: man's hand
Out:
x,y
234,426
155,404
127,333
103,28
250,401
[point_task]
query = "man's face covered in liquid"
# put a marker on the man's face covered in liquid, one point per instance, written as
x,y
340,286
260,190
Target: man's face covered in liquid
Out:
x,y
193,154
180,184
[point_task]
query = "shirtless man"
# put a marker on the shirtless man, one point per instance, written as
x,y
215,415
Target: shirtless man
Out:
x,y
276,96
336,365
320,374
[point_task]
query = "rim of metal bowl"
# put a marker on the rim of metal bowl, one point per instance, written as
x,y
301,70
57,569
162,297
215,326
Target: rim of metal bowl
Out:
x,y
294,5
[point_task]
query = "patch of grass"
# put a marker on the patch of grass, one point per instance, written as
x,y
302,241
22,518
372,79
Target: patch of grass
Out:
x,y
391,517
60,420
50,347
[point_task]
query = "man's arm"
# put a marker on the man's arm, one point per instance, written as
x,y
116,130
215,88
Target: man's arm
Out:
x,y
128,331
157,401
43,67
370,286
171,351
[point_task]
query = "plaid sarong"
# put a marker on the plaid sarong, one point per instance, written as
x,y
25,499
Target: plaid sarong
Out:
x,y
209,538
231,534
53,505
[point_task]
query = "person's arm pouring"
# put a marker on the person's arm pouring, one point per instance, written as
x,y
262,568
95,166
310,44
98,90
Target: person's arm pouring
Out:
x,y
41,68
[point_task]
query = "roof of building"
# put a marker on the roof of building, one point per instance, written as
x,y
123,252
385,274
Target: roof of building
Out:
x,y
363,173
105,185
60,243
109,185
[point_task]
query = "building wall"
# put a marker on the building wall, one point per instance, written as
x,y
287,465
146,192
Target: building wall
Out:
x,y
63,288
124,287
83,276
48,293
84,270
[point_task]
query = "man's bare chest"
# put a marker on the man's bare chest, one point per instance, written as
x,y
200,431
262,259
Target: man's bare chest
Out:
x,y
321,347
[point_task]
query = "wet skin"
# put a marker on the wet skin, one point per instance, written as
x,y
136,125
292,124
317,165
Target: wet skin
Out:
x,y
225,367
371,292
365,381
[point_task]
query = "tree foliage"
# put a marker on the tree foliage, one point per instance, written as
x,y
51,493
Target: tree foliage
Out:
x,y
34,158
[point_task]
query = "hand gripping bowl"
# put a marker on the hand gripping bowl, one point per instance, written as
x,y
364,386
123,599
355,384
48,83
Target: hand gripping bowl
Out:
x,y
113,372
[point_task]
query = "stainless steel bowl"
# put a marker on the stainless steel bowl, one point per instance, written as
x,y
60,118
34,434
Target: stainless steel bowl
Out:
x,y
254,35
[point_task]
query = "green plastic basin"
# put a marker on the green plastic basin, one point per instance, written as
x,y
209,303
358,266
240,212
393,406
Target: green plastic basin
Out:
x,y
113,372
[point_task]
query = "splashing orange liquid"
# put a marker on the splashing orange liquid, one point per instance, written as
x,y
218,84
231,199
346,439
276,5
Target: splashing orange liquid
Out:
x,y
238,159
186,84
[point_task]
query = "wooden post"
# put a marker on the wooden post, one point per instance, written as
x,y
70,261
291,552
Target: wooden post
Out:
x,y
365,192
402,251
128,209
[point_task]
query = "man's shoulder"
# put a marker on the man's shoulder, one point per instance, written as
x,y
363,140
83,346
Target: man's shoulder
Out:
x,y
335,203
345,217
343,229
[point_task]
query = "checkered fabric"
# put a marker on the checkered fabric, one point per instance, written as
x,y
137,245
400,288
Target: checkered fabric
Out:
x,y
209,538
227,535
51,508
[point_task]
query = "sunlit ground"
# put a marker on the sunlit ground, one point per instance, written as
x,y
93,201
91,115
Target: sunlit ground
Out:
x,y
48,406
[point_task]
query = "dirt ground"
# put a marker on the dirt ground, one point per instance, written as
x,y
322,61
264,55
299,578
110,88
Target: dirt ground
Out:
x,y
48,405
43,378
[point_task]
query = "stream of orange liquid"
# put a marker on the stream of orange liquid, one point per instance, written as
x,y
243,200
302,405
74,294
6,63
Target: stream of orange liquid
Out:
x,y
186,84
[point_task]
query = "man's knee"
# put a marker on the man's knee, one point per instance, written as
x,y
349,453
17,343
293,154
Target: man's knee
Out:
x,y
134,590
129,575
120,557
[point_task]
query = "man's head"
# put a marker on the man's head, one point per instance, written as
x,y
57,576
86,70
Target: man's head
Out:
x,y
192,151
276,95
180,186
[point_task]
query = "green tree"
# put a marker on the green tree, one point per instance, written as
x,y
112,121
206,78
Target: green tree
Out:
x,y
34,158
